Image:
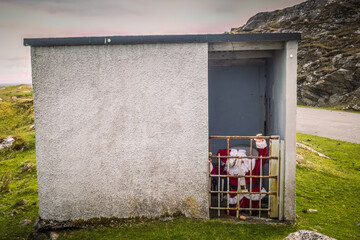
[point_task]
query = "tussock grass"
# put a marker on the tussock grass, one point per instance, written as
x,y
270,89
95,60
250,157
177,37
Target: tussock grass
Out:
x,y
16,116
5,182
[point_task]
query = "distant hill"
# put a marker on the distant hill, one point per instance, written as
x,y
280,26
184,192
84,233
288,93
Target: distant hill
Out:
x,y
12,84
329,52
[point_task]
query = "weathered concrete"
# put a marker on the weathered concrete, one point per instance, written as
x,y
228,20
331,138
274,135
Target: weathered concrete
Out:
x,y
332,124
281,90
121,130
290,131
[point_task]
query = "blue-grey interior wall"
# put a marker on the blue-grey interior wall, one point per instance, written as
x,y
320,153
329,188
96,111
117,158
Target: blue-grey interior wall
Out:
x,y
236,102
277,81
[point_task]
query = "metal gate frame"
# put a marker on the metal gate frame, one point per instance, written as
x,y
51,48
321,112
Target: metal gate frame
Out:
x,y
273,191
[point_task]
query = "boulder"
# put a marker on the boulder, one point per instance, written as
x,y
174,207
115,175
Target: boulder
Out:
x,y
307,235
7,142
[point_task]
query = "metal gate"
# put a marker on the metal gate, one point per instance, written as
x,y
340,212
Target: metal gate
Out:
x,y
220,191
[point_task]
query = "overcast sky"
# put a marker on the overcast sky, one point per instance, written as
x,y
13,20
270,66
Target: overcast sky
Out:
x,y
72,18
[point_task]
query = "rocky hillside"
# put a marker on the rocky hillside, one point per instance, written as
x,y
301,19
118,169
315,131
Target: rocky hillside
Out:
x,y
329,52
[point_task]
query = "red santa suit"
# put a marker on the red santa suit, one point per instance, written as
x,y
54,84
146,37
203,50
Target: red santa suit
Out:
x,y
245,167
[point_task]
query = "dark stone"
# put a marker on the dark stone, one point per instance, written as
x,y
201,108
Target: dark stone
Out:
x,y
24,222
26,167
13,213
21,202
45,225
37,236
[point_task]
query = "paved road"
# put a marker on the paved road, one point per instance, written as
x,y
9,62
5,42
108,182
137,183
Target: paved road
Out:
x,y
332,124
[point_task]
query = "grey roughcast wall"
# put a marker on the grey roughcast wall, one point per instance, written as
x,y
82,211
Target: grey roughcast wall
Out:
x,y
121,130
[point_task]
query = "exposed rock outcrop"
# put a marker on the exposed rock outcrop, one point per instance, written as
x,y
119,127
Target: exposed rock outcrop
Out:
x,y
329,52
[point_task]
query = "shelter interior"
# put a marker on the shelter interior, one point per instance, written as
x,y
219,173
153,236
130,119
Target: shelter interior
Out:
x,y
245,90
246,86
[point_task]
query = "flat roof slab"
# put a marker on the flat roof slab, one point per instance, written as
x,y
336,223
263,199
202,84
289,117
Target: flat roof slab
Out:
x,y
197,38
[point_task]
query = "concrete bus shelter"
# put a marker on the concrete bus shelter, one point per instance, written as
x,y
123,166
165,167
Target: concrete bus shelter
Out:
x,y
123,122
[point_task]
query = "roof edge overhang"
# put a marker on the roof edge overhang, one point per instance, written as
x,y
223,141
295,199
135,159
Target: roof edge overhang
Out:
x,y
198,38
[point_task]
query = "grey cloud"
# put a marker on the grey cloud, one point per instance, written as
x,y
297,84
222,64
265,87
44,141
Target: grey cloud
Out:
x,y
237,6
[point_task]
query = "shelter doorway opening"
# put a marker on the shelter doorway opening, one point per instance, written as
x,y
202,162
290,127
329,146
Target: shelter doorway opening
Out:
x,y
243,175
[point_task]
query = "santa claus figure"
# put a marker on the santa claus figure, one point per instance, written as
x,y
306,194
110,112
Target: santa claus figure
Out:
x,y
245,167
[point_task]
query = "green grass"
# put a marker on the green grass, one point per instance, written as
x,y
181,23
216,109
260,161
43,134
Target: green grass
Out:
x,y
184,228
329,185
15,113
16,116
22,186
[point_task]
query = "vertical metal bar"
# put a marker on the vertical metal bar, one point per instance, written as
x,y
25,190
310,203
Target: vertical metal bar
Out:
x,y
218,184
270,173
281,179
228,179
209,144
275,151
251,158
261,179
238,189
210,162
210,177
274,170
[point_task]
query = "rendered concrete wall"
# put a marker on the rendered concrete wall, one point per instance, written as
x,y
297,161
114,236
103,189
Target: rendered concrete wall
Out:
x,y
282,78
290,132
121,130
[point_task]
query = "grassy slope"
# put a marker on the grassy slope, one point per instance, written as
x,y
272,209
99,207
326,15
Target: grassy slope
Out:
x,y
324,184
331,186
16,116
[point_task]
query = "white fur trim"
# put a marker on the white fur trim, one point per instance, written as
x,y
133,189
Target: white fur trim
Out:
x,y
239,166
254,197
261,145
